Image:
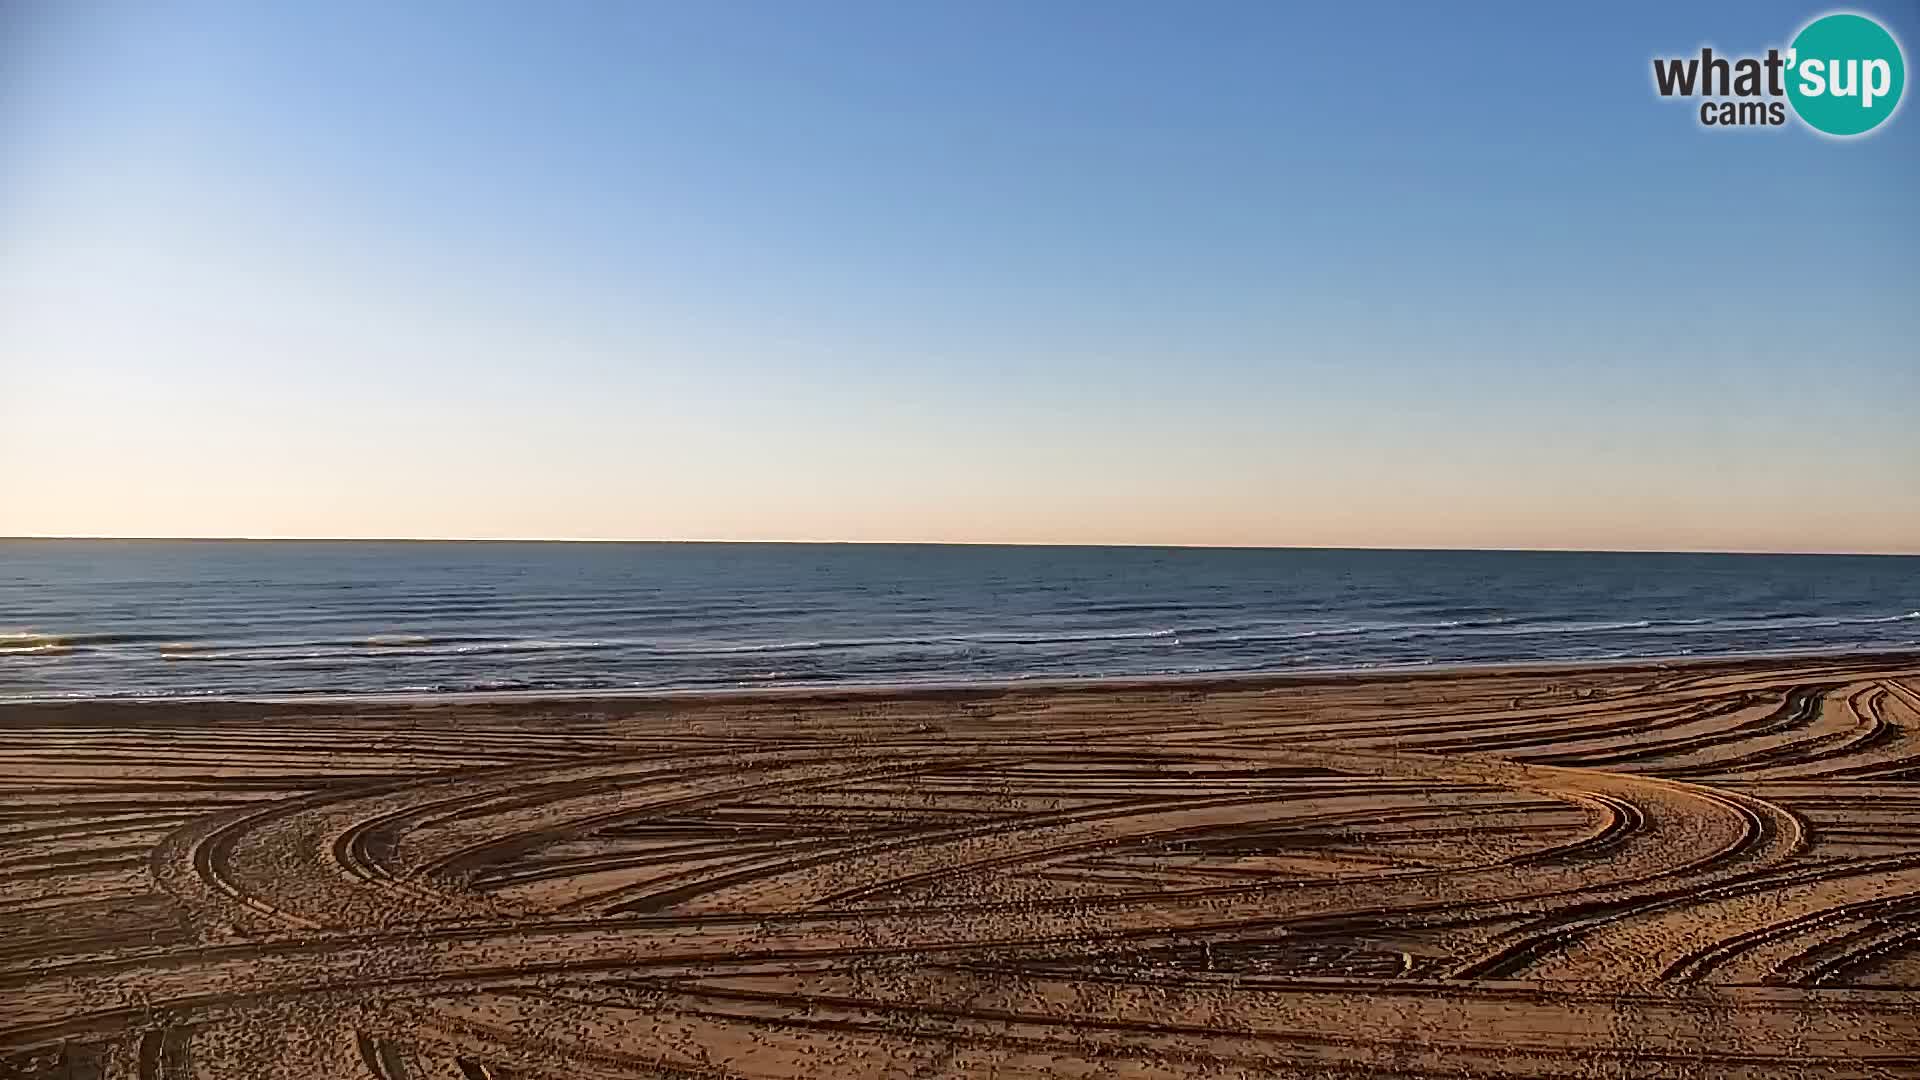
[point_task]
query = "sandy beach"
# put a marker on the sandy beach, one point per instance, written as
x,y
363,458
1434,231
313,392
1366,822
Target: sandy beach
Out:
x,y
1655,870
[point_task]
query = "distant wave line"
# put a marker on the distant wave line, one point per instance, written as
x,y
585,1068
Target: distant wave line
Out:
x,y
406,643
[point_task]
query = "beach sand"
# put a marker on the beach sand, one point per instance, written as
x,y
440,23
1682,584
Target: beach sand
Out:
x,y
1681,870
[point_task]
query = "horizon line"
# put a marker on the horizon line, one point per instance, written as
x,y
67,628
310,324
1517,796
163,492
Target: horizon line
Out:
x,y
937,543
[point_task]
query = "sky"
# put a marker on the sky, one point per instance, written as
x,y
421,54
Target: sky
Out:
x,y
1072,272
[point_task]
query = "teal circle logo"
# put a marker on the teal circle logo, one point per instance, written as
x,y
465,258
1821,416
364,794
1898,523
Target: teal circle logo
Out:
x,y
1845,74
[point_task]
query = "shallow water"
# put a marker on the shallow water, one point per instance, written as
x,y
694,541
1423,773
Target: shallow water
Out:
x,y
81,618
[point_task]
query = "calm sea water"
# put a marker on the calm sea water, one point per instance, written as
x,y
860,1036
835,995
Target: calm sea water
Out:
x,y
80,618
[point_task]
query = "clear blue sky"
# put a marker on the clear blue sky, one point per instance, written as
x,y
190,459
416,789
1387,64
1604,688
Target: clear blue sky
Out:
x,y
1237,273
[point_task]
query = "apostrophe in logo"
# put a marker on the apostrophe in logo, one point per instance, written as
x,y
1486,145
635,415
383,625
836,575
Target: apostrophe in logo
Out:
x,y
1842,76
1845,74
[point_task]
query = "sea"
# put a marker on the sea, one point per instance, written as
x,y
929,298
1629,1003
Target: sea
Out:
x,y
114,618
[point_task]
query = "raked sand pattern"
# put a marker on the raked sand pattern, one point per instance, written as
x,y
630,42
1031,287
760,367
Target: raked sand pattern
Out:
x,y
1703,870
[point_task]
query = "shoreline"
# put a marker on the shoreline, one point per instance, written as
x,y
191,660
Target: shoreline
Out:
x,y
932,690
